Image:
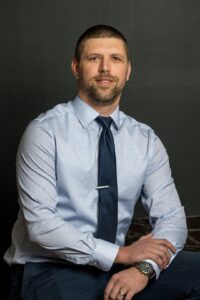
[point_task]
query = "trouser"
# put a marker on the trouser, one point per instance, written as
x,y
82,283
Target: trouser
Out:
x,y
49,281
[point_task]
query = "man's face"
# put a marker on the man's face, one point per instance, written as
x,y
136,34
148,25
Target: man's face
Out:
x,y
102,71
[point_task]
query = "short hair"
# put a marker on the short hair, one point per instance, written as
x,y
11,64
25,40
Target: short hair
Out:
x,y
99,31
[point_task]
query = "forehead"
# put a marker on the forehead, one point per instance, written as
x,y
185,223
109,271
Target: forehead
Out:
x,y
104,45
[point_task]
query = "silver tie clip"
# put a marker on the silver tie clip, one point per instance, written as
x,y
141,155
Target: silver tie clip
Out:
x,y
102,187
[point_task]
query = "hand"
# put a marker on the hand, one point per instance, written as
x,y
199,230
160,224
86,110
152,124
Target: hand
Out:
x,y
146,247
129,282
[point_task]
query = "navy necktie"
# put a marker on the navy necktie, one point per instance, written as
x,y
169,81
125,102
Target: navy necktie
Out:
x,y
107,183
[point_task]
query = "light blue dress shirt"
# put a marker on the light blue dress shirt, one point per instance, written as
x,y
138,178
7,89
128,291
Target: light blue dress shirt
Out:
x,y
57,180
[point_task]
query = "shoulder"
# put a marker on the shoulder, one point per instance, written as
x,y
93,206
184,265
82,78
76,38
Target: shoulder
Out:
x,y
55,114
142,135
133,125
51,119
43,129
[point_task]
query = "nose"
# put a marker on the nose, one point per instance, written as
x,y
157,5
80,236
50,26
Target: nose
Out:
x,y
104,65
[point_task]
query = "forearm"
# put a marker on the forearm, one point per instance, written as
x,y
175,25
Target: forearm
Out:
x,y
46,208
159,249
60,239
172,227
146,248
70,244
123,256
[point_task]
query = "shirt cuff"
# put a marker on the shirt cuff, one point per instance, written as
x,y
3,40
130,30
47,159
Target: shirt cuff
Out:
x,y
104,255
155,266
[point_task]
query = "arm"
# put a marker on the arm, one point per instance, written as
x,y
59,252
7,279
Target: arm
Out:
x,y
161,200
166,214
38,197
167,217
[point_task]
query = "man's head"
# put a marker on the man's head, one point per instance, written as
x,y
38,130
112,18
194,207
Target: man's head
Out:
x,y
99,31
101,65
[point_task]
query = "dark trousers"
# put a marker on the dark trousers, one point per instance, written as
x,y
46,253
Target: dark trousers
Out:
x,y
48,281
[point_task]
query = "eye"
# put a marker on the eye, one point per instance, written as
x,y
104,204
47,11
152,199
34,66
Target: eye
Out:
x,y
117,58
94,58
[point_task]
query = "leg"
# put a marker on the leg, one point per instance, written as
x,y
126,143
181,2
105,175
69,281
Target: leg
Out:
x,y
16,277
181,281
62,281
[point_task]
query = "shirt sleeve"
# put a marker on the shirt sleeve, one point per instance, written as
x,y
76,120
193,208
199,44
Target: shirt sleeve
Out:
x,y
160,199
38,198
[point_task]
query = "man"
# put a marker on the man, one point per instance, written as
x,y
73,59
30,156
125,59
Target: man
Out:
x,y
59,250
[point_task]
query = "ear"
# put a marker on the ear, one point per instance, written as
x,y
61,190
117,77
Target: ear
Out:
x,y
74,68
129,71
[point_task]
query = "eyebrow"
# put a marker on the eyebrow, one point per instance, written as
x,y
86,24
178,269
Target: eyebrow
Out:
x,y
100,54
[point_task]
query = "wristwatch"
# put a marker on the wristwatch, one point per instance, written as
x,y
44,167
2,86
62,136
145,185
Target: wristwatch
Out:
x,y
145,268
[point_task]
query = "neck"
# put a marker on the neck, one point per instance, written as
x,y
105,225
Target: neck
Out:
x,y
103,110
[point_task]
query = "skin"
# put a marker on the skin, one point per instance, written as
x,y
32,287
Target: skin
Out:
x,y
131,281
101,73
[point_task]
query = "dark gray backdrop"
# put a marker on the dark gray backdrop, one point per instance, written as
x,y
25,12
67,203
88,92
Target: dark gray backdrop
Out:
x,y
37,44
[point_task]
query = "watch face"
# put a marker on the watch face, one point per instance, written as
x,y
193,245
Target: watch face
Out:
x,y
145,268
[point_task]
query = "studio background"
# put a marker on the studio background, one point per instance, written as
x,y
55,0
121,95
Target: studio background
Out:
x,y
37,45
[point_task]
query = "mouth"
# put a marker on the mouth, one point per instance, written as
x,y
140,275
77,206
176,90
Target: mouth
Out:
x,y
104,81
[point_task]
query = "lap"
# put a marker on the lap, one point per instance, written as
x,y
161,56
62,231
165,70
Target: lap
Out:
x,y
181,280
62,281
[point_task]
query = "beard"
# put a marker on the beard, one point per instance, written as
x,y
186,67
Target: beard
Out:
x,y
102,96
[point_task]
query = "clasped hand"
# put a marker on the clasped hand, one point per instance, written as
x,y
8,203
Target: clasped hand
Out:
x,y
147,247
131,281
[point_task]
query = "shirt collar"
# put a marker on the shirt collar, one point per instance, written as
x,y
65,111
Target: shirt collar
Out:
x,y
86,114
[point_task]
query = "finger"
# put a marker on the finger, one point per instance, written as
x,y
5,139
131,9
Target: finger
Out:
x,y
115,293
119,297
129,295
122,293
108,290
172,248
158,256
166,258
112,291
155,251
158,260
165,261
164,254
167,244
146,236
162,259
159,251
162,262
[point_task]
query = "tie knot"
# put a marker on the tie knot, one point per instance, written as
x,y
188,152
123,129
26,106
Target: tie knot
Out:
x,y
105,122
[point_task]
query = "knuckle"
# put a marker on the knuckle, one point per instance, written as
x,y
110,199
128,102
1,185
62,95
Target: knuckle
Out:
x,y
158,260
128,297
121,281
115,277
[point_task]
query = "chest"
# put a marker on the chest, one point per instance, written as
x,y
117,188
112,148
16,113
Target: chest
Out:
x,y
77,159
